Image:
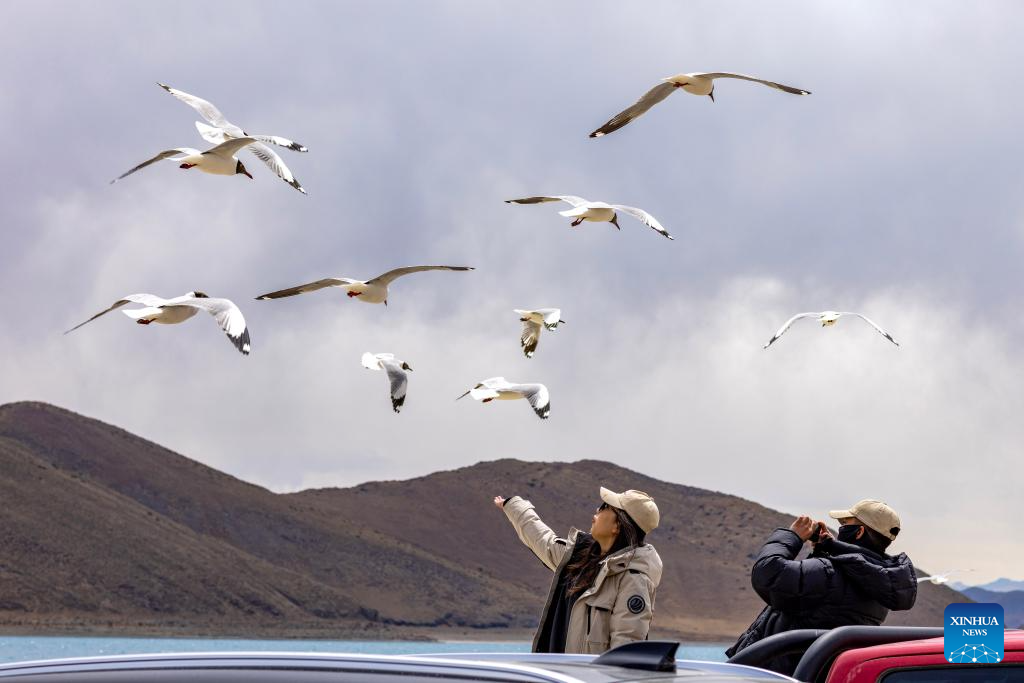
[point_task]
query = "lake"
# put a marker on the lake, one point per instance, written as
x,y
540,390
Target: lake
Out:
x,y
26,648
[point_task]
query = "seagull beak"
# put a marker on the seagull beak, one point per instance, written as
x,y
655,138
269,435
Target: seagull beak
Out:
x,y
615,221
407,367
248,174
385,302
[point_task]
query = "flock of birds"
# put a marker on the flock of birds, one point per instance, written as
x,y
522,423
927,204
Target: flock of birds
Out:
x,y
221,159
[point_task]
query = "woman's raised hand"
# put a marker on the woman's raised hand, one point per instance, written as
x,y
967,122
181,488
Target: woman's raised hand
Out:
x,y
499,502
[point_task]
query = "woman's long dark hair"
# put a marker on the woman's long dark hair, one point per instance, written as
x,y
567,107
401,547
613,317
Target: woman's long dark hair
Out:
x,y
581,572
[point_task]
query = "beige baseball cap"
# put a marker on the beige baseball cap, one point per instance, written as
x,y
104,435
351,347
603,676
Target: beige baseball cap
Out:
x,y
875,514
637,504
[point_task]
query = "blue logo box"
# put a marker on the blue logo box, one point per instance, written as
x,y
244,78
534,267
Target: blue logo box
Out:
x,y
973,633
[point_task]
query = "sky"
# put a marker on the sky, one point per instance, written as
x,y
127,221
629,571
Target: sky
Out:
x,y
892,190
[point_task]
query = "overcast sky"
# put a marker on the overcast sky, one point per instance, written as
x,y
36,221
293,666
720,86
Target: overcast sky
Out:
x,y
894,189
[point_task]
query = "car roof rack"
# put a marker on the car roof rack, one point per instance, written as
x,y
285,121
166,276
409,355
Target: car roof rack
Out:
x,y
786,643
824,649
649,655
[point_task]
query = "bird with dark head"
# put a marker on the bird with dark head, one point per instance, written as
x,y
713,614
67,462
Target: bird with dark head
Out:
x,y
240,169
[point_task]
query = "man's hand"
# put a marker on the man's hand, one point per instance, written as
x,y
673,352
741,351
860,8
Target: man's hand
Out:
x,y
823,532
499,502
803,527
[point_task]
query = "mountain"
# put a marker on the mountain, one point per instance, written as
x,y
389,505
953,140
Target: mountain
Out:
x,y
103,530
1002,586
1012,602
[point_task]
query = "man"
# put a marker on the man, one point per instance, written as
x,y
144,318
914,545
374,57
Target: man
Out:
x,y
847,579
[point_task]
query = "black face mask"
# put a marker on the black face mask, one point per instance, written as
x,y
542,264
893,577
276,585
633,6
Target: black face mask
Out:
x,y
848,533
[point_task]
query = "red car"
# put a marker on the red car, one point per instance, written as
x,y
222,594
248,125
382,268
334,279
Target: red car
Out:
x,y
882,654
921,661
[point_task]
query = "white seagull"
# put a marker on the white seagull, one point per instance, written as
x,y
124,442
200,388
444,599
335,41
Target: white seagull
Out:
x,y
503,390
827,319
584,210
219,160
223,130
533,321
181,308
395,369
939,579
695,84
372,291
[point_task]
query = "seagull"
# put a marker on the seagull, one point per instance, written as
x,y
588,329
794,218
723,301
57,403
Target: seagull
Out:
x,y
939,579
219,160
827,319
532,322
695,84
223,130
180,309
396,374
503,390
372,291
584,210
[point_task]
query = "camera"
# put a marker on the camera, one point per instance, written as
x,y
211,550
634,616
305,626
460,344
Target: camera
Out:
x,y
816,534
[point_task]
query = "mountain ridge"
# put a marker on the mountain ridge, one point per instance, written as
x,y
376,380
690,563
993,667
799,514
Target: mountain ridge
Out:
x,y
103,530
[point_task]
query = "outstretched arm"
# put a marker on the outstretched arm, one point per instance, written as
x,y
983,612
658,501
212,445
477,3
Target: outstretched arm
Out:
x,y
534,533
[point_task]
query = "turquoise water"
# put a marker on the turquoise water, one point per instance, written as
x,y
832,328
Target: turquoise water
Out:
x,y
26,648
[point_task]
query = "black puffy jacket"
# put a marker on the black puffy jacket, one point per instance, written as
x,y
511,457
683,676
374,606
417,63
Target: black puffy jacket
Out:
x,y
839,584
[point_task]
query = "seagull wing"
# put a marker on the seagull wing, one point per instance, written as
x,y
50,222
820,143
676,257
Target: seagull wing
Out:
x,y
644,217
274,162
392,275
399,382
782,330
145,299
568,198
369,361
529,338
872,323
771,84
309,287
640,107
227,315
229,148
537,395
205,109
552,316
166,154
281,142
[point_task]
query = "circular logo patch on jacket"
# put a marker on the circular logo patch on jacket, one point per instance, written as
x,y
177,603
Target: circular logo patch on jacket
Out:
x,y
636,604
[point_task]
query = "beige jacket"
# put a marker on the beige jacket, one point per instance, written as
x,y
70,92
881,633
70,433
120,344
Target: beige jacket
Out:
x,y
617,609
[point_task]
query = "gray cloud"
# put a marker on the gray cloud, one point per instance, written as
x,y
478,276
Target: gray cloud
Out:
x,y
891,190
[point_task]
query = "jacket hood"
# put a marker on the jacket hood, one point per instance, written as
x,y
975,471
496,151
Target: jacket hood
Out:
x,y
644,559
891,580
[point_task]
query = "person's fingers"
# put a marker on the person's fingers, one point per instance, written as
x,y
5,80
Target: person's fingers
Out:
x,y
499,501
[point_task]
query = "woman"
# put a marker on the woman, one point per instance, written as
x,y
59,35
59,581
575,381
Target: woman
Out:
x,y
602,594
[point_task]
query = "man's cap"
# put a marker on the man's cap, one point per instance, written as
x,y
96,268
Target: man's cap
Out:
x,y
875,514
637,504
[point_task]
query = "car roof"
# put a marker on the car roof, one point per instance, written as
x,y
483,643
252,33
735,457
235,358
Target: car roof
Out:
x,y
549,668
1014,640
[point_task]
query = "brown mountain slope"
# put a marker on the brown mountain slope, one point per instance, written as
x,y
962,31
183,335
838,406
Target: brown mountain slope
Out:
x,y
100,527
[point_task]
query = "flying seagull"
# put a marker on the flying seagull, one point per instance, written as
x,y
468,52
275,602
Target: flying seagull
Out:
x,y
372,291
827,319
584,210
396,370
533,321
180,309
695,84
219,160
503,390
939,579
223,130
